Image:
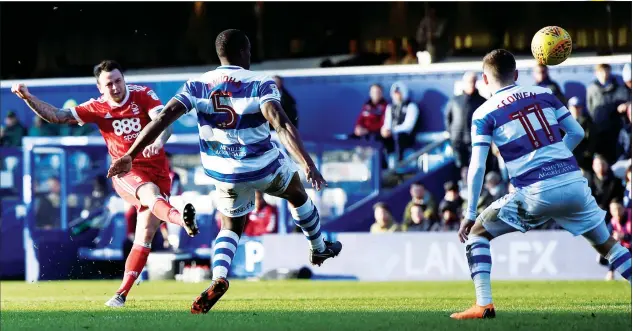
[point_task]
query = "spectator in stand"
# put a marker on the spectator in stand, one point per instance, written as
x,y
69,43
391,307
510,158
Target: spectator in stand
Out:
x,y
542,79
585,149
97,198
459,116
401,117
410,50
47,206
393,50
626,201
605,100
13,131
384,222
495,185
621,227
432,35
288,103
41,128
263,219
451,207
372,115
420,196
450,219
626,77
176,183
604,185
623,150
419,223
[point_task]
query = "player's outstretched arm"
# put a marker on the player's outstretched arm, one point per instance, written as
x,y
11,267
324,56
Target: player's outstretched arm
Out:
x,y
172,111
48,112
289,137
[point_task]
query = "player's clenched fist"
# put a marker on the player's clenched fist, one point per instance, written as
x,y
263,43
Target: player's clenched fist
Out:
x,y
315,178
120,166
152,149
21,91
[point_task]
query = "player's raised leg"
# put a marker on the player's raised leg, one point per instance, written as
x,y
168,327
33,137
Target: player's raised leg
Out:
x,y
149,195
306,216
146,226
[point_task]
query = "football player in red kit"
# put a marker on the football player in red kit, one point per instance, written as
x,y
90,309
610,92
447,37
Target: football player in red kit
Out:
x,y
121,113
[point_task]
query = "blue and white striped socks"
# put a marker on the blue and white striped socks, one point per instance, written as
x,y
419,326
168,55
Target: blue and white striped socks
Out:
x,y
223,252
620,259
307,218
480,263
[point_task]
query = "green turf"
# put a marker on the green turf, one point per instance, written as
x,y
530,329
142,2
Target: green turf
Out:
x,y
303,305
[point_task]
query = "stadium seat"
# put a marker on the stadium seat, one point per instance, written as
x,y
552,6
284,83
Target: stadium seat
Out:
x,y
109,242
333,201
200,245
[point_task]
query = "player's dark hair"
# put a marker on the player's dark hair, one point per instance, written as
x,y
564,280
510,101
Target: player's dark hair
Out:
x,y
107,66
230,42
603,67
616,200
377,85
500,64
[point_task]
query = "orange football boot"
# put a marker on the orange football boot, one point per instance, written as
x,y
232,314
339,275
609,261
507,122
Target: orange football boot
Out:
x,y
476,312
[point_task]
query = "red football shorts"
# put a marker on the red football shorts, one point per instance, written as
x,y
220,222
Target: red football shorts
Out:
x,y
127,185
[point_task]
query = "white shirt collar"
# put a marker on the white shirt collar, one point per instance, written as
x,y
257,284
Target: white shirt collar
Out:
x,y
127,96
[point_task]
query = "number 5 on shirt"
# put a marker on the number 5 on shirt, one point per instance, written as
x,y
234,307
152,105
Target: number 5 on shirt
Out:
x,y
227,117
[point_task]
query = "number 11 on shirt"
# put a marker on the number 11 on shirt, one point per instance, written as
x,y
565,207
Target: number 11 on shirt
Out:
x,y
522,116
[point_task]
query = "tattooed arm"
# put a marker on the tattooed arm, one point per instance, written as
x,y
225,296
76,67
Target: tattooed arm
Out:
x,y
44,110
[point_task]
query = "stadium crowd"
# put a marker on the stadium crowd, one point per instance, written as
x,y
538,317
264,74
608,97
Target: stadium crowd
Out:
x,y
604,155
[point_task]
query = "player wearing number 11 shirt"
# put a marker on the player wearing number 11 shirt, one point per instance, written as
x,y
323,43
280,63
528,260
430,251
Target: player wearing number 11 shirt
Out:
x,y
525,124
121,113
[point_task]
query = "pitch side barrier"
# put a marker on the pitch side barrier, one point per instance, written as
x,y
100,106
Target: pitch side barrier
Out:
x,y
425,256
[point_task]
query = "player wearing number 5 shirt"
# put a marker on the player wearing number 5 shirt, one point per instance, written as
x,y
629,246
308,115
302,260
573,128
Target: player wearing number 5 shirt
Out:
x,y
121,113
235,107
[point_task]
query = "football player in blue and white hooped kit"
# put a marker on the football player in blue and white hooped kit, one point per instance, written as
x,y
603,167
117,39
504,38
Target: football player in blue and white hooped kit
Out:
x,y
524,123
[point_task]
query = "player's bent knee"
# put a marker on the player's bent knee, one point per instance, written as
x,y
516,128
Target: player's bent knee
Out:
x,y
147,193
295,193
597,236
479,230
235,224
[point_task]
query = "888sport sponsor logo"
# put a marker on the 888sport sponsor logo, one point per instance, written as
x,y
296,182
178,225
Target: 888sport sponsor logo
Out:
x,y
129,128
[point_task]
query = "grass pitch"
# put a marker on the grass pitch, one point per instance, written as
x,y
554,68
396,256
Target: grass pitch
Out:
x,y
305,305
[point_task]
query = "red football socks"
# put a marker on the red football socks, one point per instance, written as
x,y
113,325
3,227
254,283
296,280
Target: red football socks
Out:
x,y
166,212
133,266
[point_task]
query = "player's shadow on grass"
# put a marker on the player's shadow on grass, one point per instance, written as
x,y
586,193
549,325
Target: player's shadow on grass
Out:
x,y
156,320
